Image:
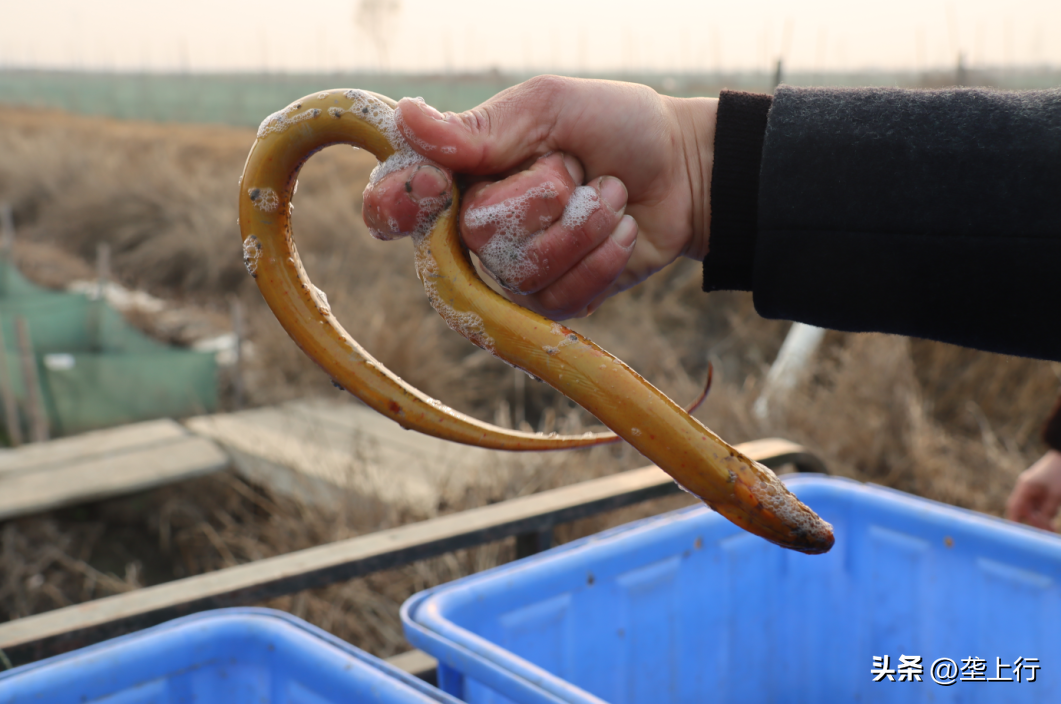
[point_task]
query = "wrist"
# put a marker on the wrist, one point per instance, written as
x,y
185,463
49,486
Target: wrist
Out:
x,y
695,118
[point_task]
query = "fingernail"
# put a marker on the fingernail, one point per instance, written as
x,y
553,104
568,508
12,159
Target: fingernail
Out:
x,y
613,192
574,169
429,111
625,232
426,182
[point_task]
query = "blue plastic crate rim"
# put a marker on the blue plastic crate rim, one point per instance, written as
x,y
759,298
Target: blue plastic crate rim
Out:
x,y
138,666
937,544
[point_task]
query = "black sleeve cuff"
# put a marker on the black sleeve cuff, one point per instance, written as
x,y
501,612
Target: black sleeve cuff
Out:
x,y
739,133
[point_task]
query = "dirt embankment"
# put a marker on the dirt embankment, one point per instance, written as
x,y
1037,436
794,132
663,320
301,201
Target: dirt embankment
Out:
x,y
950,424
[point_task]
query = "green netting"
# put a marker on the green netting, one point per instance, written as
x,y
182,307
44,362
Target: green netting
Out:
x,y
94,369
89,391
71,322
15,286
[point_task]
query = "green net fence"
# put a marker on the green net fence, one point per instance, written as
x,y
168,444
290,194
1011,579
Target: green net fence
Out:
x,y
94,370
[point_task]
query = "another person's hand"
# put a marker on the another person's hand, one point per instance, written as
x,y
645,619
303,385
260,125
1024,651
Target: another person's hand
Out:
x,y
1037,496
646,158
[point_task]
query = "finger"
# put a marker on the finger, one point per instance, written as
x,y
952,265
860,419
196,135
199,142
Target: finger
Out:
x,y
570,294
405,201
644,261
1048,508
516,207
1040,520
1029,504
507,129
1021,501
590,216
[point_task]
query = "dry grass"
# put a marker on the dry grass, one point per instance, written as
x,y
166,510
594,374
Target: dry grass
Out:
x,y
945,423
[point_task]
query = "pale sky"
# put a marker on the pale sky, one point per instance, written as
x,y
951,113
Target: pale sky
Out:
x,y
559,35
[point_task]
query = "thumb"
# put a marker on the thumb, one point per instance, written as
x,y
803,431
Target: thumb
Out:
x,y
500,134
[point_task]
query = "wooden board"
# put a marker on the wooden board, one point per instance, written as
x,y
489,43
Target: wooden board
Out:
x,y
418,664
102,464
306,449
99,443
72,627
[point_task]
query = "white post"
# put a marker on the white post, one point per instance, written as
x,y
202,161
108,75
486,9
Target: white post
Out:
x,y
797,350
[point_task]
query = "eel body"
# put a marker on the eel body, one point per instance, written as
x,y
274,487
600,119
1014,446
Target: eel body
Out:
x,y
742,490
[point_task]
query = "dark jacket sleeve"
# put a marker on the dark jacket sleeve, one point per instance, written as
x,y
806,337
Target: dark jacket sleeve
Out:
x,y
935,214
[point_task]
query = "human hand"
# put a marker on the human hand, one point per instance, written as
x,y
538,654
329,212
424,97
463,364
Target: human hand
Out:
x,y
1036,498
645,159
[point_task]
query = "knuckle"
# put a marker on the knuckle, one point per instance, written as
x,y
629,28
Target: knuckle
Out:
x,y
554,305
539,90
600,223
477,120
599,271
546,86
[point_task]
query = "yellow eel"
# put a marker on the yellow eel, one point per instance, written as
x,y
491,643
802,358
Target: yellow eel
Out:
x,y
742,490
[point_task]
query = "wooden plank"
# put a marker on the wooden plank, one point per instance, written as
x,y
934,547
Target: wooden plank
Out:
x,y
38,636
72,627
161,463
99,443
307,449
776,453
418,664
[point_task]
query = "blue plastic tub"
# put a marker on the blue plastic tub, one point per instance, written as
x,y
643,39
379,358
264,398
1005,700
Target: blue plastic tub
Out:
x,y
230,656
687,608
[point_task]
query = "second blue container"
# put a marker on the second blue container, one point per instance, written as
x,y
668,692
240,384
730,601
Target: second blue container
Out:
x,y
229,656
688,608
